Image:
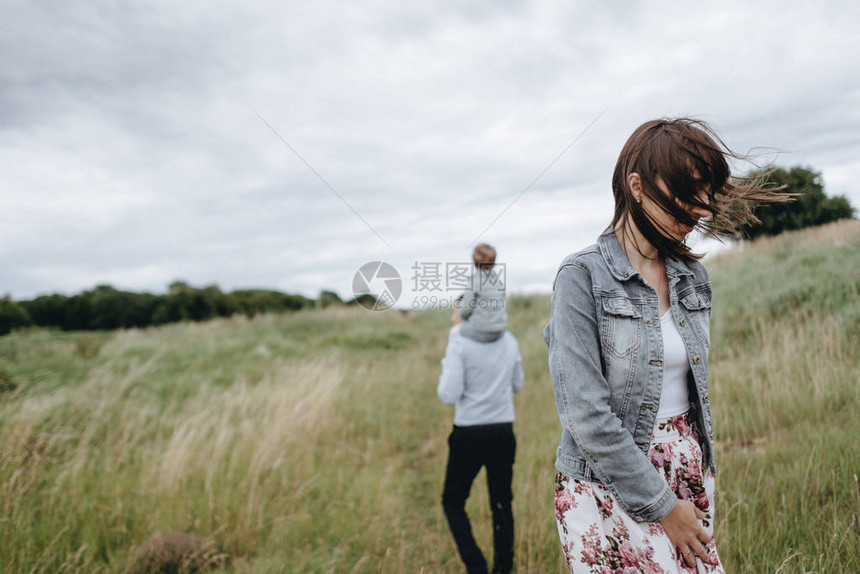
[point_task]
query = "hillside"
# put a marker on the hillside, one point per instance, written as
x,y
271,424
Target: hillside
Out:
x,y
314,442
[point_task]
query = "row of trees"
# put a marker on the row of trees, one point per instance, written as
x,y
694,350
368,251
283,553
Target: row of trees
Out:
x,y
108,308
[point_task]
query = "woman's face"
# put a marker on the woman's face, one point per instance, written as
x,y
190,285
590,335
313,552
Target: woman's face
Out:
x,y
662,220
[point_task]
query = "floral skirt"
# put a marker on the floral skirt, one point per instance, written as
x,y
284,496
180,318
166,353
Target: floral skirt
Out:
x,y
597,536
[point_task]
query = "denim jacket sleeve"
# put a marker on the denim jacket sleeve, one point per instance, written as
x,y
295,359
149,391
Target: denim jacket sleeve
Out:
x,y
582,397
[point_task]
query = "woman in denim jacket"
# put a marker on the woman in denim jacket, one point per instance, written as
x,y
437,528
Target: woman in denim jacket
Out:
x,y
628,351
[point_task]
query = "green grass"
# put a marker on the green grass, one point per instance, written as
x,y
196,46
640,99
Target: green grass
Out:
x,y
314,442
785,370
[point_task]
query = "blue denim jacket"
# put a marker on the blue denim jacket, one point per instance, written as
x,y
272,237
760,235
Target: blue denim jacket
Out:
x,y
606,361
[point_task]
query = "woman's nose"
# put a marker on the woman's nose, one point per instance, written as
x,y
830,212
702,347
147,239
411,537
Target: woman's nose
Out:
x,y
700,212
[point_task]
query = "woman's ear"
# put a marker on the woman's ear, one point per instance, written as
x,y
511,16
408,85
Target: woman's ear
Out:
x,y
634,182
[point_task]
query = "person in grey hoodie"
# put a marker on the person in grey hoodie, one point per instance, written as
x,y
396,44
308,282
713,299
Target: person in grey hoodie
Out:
x,y
479,380
482,308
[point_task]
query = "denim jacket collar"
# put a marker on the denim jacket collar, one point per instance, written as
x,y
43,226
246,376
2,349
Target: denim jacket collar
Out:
x,y
619,265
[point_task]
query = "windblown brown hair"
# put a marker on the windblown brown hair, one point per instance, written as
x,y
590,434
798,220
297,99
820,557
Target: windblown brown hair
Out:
x,y
484,256
690,158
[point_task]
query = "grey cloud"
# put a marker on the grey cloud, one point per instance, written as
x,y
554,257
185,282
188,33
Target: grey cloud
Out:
x,y
131,151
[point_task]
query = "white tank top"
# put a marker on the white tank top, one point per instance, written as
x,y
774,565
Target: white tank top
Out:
x,y
675,397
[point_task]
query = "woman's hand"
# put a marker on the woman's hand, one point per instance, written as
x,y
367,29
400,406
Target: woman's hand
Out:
x,y
686,533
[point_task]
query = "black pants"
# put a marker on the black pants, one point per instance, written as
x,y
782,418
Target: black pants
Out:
x,y
470,448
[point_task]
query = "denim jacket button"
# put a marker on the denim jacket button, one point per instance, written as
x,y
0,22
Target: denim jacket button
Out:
x,y
682,322
697,360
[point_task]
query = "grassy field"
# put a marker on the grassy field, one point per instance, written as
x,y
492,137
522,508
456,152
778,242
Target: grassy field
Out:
x,y
314,442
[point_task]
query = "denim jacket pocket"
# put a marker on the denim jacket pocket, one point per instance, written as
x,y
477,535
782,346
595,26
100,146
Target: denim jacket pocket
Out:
x,y
619,326
698,307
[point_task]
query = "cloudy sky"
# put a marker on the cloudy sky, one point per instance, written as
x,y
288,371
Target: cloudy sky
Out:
x,y
284,144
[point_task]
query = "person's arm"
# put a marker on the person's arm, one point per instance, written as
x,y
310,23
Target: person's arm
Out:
x,y
582,398
517,375
452,379
467,304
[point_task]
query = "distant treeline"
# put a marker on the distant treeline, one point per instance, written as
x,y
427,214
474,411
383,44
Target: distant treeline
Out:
x,y
107,308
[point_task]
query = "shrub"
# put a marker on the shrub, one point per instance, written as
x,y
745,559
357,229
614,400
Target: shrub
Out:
x,y
177,553
811,207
